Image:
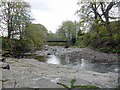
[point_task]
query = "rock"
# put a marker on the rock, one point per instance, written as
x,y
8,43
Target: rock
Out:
x,y
2,59
31,73
34,81
48,54
66,46
9,84
4,66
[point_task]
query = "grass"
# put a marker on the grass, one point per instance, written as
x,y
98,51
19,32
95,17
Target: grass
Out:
x,y
72,85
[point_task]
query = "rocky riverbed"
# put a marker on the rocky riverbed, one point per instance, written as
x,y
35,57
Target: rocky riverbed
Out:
x,y
80,53
30,73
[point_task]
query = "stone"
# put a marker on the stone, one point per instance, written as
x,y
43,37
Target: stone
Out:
x,y
7,75
9,84
2,59
31,73
48,54
34,81
6,66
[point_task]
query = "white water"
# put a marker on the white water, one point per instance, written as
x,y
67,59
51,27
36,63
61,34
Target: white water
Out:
x,y
81,64
53,59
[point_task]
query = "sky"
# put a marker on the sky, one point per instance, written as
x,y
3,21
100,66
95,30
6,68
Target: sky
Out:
x,y
51,13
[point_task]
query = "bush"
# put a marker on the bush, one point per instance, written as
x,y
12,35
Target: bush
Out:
x,y
14,47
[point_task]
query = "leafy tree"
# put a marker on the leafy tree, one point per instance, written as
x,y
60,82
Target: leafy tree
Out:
x,y
35,35
14,16
98,13
96,18
67,31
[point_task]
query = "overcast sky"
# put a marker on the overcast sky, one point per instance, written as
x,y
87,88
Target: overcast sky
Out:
x,y
51,13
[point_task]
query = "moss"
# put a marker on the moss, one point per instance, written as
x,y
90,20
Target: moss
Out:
x,y
41,58
4,80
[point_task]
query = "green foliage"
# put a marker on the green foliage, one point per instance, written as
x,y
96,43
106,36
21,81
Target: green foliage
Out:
x,y
35,35
67,30
55,36
33,38
102,34
15,15
72,85
56,43
14,47
101,40
40,58
84,40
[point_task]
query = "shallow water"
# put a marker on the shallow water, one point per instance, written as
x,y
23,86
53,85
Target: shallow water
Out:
x,y
82,64
79,63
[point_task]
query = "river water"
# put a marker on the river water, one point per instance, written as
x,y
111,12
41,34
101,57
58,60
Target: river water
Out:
x,y
82,64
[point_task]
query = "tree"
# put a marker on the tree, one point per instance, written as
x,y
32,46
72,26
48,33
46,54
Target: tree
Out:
x,y
14,18
67,30
15,15
100,20
35,35
97,14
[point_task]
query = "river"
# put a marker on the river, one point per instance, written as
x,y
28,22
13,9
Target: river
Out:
x,y
83,64
80,58
44,68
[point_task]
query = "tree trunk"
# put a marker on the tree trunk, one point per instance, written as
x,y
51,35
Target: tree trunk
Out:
x,y
9,29
8,22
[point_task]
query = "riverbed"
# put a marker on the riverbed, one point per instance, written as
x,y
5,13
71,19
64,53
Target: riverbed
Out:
x,y
61,64
80,58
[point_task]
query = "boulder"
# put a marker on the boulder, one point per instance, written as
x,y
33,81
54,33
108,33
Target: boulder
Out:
x,y
2,59
4,65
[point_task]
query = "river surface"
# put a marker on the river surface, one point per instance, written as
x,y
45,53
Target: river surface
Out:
x,y
82,64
